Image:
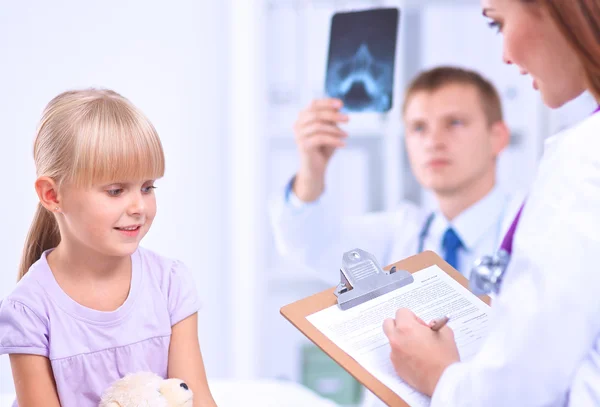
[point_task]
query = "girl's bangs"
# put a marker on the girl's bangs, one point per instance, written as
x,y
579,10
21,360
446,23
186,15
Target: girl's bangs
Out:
x,y
116,144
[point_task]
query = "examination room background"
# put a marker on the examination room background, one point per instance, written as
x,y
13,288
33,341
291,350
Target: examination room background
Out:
x,y
223,81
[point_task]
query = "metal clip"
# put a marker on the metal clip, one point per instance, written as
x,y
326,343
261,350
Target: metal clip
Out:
x,y
362,279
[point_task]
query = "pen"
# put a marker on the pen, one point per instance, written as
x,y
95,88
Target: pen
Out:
x,y
439,323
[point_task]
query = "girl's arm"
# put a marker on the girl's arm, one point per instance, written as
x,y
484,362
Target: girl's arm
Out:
x,y
185,361
34,381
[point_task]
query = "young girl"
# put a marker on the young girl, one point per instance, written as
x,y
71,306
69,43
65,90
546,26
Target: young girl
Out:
x,y
91,305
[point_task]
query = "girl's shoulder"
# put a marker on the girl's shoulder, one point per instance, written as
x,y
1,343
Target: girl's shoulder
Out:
x,y
174,280
158,266
29,292
25,316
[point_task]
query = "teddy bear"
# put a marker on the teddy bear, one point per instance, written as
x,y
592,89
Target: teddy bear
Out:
x,y
146,389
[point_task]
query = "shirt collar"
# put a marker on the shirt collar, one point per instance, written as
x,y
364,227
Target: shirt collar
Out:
x,y
471,224
552,142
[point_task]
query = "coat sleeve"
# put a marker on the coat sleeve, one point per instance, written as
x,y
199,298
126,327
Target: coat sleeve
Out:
x,y
316,236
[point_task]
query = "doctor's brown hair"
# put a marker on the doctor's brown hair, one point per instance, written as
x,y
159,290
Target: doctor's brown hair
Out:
x,y
579,22
439,77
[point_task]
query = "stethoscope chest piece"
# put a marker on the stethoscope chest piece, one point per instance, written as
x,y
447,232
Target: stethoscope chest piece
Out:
x,y
486,275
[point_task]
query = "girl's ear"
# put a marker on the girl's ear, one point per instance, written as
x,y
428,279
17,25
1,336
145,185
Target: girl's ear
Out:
x,y
47,192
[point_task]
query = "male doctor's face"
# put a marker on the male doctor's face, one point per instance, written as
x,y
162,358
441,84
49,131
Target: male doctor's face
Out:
x,y
450,143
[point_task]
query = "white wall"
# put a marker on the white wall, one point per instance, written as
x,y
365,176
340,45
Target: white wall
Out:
x,y
170,60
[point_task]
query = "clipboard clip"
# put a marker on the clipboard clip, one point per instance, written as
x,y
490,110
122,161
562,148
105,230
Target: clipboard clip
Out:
x,y
362,279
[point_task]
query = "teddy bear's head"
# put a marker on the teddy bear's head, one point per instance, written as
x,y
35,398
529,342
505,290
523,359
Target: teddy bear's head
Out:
x,y
148,390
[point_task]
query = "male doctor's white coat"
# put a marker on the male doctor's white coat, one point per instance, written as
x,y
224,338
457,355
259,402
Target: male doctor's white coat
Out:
x,y
315,235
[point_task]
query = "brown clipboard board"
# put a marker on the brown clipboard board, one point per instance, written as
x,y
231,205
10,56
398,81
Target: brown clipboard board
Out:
x,y
297,312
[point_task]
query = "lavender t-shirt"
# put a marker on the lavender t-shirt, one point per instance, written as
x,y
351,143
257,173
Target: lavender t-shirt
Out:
x,y
90,349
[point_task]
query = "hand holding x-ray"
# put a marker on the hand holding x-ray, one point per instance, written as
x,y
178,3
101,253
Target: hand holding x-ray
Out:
x,y
317,136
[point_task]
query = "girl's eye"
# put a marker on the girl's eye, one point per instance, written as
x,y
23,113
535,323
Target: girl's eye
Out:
x,y
456,123
495,25
148,189
115,191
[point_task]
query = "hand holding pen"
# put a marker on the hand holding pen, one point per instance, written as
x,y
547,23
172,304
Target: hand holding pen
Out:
x,y
438,323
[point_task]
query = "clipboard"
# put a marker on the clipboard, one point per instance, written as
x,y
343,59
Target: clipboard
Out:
x,y
297,312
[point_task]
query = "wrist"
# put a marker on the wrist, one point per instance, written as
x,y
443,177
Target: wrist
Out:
x,y
436,376
307,187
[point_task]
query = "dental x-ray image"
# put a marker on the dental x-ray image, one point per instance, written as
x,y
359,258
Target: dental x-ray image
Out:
x,y
360,65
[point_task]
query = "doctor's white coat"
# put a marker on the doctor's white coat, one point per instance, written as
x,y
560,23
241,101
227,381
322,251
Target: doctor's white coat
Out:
x,y
543,347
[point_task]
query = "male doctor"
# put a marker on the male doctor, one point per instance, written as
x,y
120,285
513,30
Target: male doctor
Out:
x,y
454,132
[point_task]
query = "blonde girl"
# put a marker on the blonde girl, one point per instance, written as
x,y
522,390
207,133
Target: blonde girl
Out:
x,y
91,305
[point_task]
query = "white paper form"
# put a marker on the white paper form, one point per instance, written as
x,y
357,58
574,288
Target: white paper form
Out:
x,y
359,330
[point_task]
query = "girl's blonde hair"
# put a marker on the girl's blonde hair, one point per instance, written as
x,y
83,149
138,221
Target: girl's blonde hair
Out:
x,y
88,137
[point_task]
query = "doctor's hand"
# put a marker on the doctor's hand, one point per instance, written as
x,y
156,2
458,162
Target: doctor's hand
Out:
x,y
419,354
317,136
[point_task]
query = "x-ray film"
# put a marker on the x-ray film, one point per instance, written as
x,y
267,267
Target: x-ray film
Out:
x,y
360,65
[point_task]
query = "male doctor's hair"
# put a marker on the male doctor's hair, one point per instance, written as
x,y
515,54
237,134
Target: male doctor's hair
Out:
x,y
579,21
85,138
437,78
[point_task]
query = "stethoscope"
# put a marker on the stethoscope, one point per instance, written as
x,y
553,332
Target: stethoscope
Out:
x,y
487,272
425,231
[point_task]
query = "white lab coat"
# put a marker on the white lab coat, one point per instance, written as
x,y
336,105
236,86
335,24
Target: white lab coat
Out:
x,y
543,347
314,235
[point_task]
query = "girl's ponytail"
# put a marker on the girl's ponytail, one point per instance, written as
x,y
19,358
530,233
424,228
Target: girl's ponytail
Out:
x,y
43,235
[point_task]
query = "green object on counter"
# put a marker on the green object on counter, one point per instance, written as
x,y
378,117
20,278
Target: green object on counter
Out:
x,y
325,377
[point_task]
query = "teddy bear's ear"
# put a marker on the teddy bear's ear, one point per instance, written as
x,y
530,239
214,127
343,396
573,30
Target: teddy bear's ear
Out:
x,y
113,404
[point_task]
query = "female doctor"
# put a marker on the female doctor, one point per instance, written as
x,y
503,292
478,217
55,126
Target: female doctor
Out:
x,y
543,348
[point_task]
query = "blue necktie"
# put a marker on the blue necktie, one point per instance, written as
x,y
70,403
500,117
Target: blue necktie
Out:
x,y
451,243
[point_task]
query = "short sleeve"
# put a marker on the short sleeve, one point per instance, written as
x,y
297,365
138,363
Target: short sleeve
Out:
x,y
21,330
182,296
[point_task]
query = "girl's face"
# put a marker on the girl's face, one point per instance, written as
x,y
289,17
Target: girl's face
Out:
x,y
109,219
535,44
